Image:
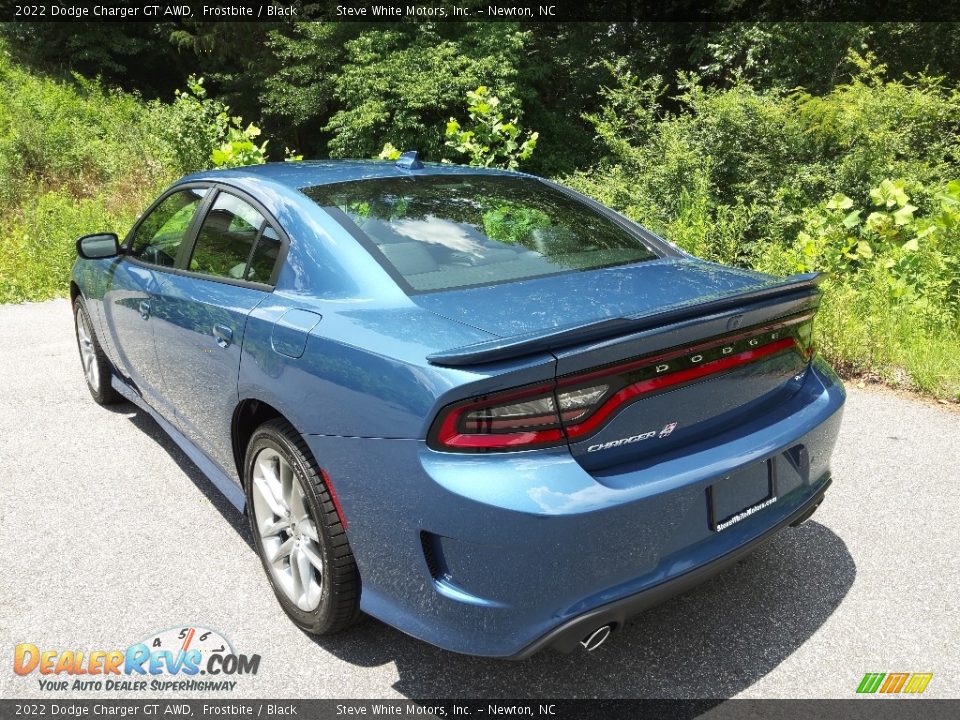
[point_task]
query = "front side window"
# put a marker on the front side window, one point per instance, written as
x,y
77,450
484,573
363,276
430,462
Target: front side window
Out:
x,y
159,236
226,238
451,231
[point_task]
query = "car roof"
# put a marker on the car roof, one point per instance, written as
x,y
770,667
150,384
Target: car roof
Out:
x,y
304,174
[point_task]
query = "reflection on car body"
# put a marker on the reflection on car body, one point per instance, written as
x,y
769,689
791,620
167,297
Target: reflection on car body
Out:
x,y
470,402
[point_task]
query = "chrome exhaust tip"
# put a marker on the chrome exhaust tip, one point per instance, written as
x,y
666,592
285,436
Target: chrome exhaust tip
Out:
x,y
597,638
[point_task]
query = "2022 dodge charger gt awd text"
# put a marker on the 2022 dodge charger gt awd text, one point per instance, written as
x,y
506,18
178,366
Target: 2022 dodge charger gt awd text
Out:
x,y
469,402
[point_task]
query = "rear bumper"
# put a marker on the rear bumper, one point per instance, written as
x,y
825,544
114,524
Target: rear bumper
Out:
x,y
569,635
506,553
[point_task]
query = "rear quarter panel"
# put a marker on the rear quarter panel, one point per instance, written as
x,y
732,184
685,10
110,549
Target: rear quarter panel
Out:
x,y
363,372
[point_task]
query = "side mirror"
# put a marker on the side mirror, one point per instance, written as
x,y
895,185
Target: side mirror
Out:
x,y
100,245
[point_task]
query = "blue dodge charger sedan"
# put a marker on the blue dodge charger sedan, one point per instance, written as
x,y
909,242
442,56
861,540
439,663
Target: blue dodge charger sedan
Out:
x,y
469,402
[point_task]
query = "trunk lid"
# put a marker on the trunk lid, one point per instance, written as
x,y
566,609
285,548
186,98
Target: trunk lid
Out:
x,y
664,354
545,304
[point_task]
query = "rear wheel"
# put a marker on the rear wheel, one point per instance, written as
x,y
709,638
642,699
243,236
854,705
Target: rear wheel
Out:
x,y
297,532
97,370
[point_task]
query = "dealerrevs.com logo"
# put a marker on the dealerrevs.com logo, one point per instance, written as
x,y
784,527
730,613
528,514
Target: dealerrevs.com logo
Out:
x,y
179,659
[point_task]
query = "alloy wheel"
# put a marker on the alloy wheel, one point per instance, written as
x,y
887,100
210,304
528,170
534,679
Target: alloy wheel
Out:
x,y
88,353
288,534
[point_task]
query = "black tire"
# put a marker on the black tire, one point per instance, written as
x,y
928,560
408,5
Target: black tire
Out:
x,y
100,389
339,606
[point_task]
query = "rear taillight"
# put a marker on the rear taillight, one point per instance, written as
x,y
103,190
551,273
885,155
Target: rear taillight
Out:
x,y
575,406
516,419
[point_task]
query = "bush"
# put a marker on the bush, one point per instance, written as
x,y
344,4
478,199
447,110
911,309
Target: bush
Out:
x,y
79,137
487,140
39,242
190,127
77,158
399,85
858,183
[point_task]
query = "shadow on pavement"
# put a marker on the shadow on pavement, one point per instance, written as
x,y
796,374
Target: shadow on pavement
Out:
x,y
148,426
712,642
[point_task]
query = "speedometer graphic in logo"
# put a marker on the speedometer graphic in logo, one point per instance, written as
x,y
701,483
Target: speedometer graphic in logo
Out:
x,y
184,639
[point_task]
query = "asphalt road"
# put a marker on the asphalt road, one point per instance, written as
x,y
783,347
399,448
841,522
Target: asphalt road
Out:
x,y
109,533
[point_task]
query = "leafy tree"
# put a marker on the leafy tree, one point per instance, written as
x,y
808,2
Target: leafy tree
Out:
x,y
233,57
404,82
300,90
490,140
239,147
813,55
132,55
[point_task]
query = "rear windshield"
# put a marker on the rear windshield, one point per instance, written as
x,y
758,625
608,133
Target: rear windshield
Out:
x,y
453,231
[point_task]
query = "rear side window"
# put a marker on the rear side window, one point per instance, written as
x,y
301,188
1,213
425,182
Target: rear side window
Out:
x,y
159,236
265,255
449,231
226,238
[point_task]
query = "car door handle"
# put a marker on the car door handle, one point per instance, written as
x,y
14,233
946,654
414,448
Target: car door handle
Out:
x,y
145,310
223,334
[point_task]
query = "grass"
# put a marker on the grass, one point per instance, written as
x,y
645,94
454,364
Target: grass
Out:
x,y
75,158
38,246
888,345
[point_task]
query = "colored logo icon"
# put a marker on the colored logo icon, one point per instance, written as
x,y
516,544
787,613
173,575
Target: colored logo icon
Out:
x,y
894,683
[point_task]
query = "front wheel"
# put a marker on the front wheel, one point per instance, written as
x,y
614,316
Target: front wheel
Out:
x,y
97,370
297,532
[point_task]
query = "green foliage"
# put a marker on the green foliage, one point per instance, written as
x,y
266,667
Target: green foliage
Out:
x,y
300,92
239,149
401,84
863,334
739,175
490,141
134,55
77,158
774,151
74,158
786,54
888,247
201,131
812,54
191,125
38,241
73,135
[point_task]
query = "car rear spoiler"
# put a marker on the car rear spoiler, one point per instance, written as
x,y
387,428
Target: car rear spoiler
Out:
x,y
802,286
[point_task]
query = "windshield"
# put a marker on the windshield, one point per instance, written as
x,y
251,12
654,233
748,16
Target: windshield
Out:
x,y
451,231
